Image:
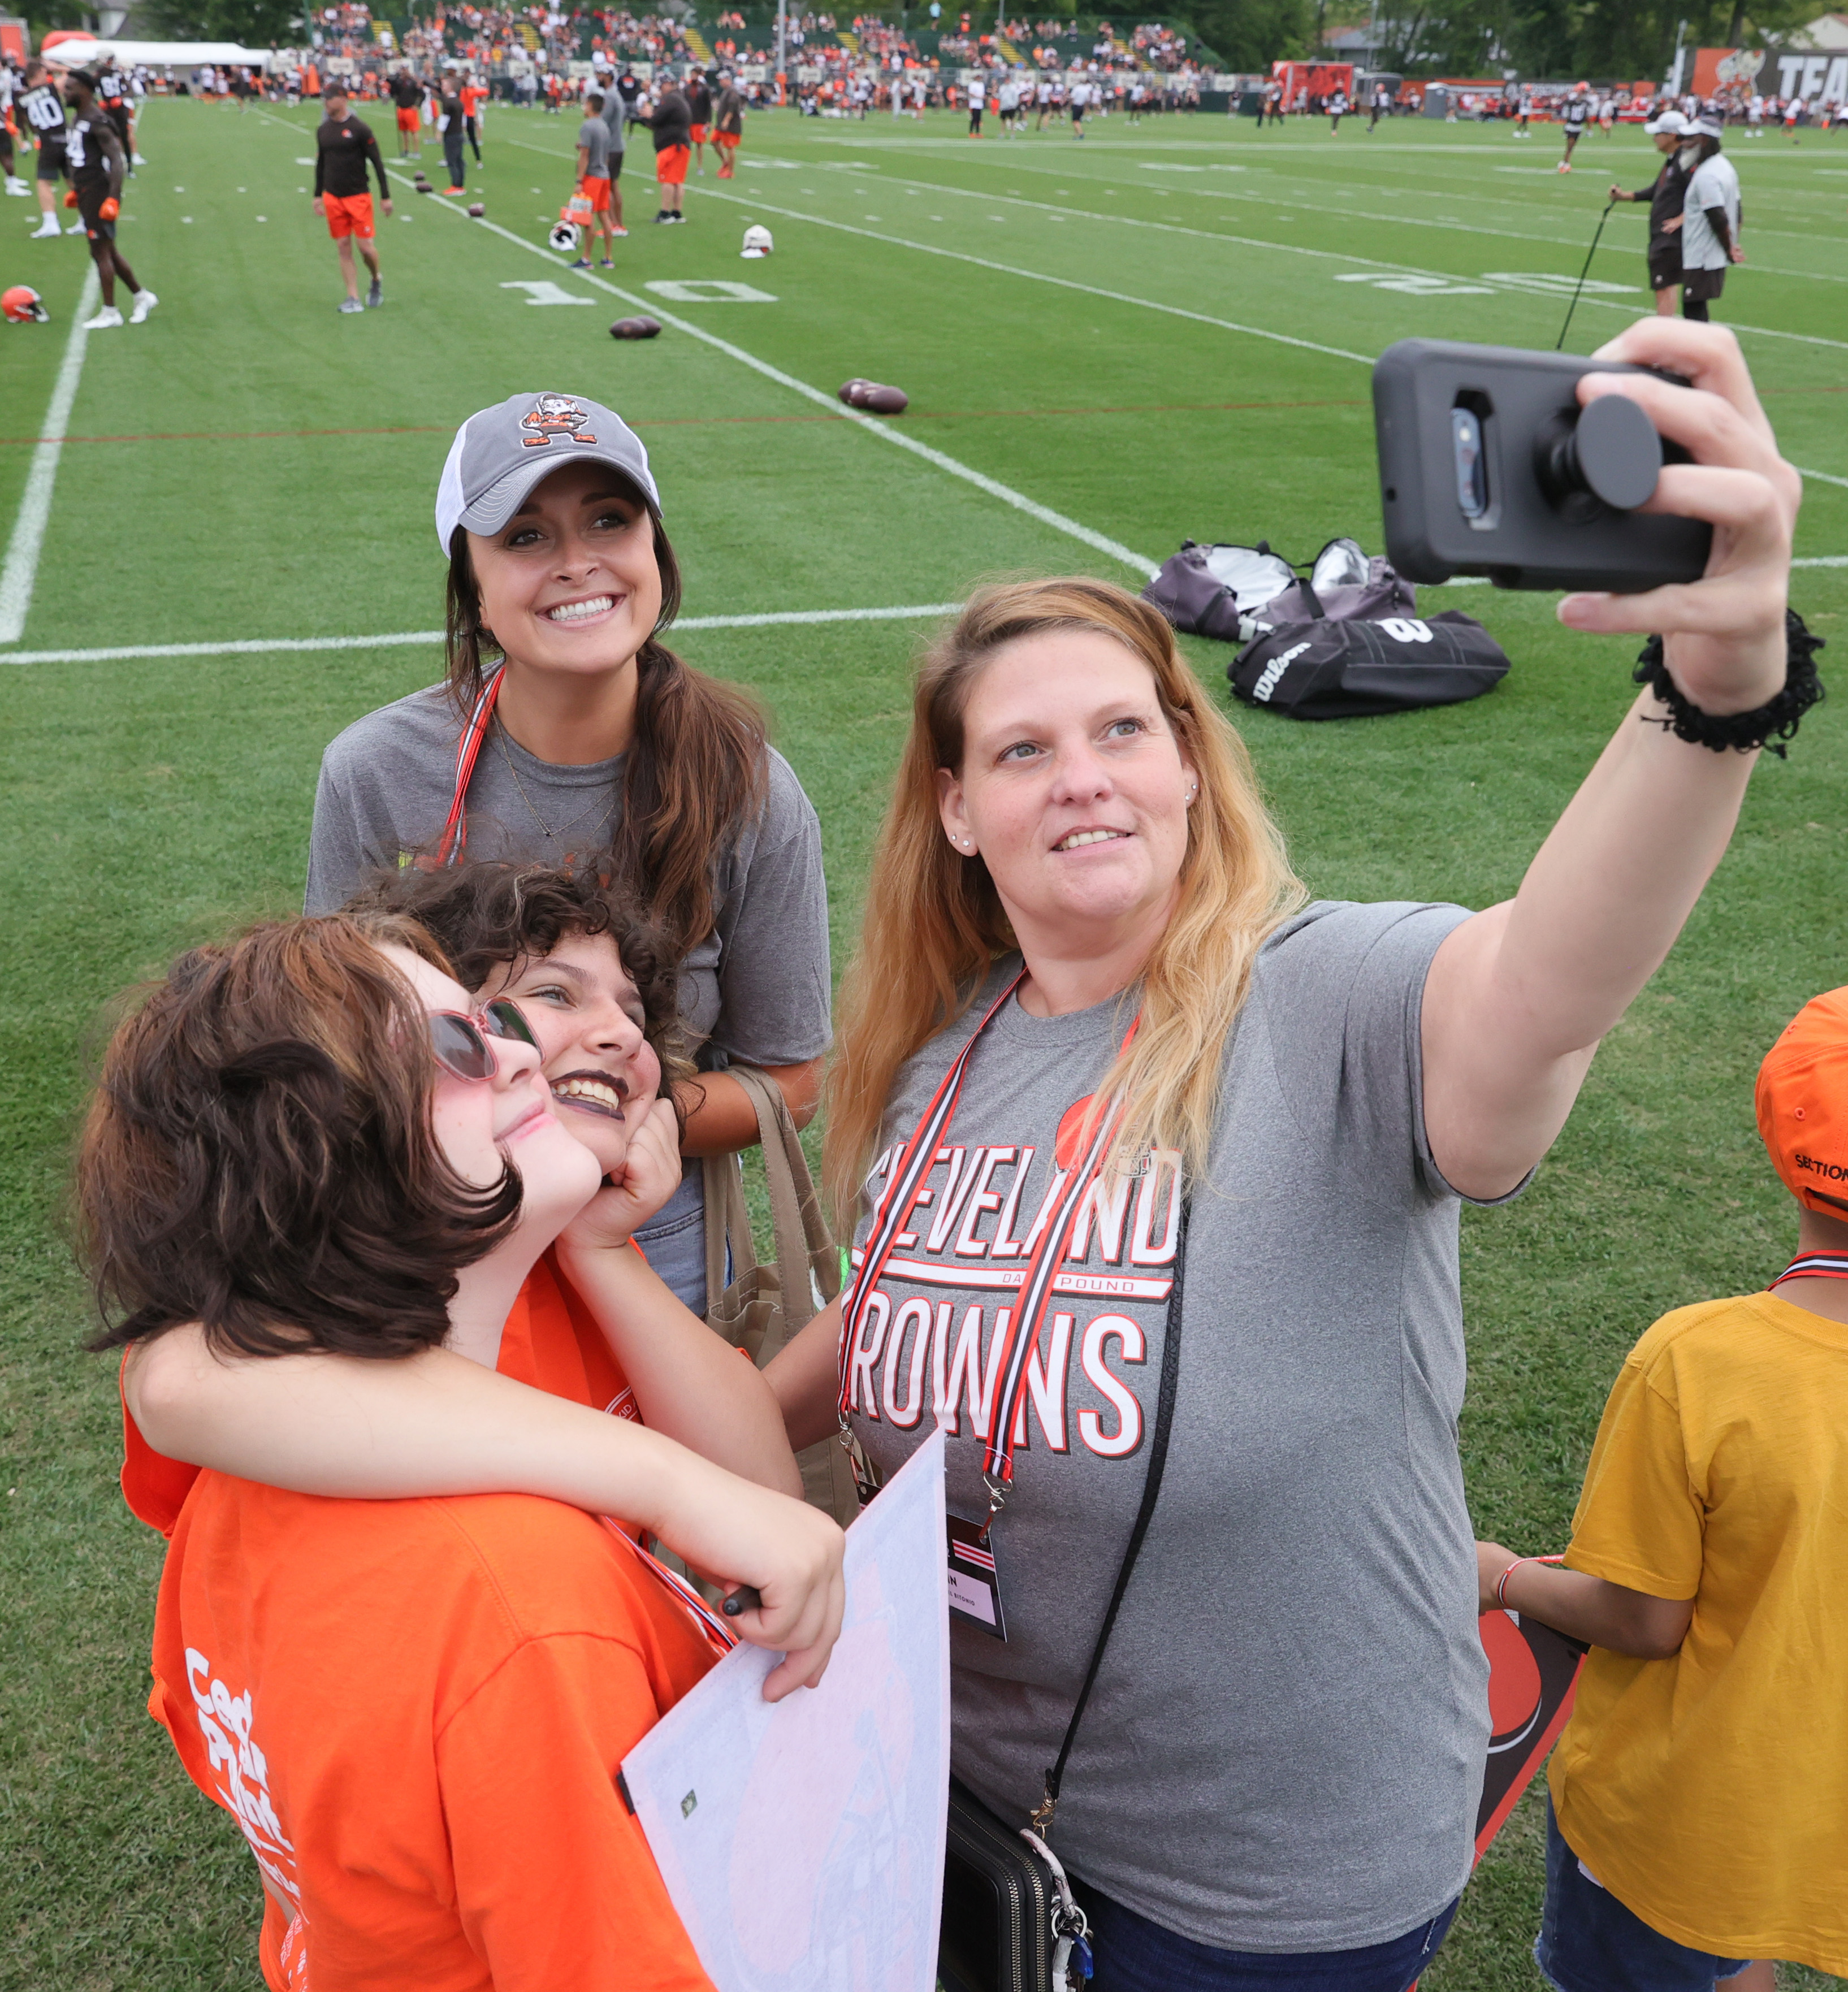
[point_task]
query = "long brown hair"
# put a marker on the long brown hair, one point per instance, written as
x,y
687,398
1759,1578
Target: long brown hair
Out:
x,y
695,772
259,1158
935,925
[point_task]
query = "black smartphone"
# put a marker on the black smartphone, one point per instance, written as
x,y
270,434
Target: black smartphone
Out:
x,y
1488,465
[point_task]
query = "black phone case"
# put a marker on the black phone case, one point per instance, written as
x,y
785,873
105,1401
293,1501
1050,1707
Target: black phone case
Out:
x,y
1526,538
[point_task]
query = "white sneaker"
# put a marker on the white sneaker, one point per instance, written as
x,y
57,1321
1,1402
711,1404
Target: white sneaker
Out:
x,y
144,302
137,161
48,227
16,186
76,228
107,317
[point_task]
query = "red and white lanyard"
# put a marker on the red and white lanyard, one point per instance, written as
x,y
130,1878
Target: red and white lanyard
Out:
x,y
718,1634
1813,1266
1018,1327
467,750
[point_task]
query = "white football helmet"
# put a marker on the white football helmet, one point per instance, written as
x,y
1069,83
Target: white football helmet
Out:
x,y
563,237
757,240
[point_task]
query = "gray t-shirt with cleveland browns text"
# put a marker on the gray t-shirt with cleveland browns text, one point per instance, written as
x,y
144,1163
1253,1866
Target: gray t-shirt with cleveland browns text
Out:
x,y
1285,1749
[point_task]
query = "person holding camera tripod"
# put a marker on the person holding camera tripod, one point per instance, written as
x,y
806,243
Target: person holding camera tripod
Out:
x,y
1666,197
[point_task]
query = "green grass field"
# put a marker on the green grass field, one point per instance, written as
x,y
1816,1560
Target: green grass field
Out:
x,y
1160,332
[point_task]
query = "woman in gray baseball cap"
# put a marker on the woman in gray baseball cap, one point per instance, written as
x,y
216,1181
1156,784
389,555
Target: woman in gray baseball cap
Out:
x,y
567,732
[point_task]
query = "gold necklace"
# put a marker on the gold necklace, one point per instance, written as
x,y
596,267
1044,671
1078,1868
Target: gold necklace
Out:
x,y
554,836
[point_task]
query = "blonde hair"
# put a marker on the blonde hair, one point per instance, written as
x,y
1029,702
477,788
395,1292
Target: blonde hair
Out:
x,y
935,925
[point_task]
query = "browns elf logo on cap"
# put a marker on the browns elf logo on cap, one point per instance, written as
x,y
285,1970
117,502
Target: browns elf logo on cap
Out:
x,y
555,418
1803,1103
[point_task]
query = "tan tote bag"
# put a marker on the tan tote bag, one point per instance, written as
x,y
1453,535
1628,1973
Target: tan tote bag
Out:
x,y
766,1304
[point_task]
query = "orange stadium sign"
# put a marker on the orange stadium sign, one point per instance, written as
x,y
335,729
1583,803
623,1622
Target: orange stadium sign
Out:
x,y
1312,80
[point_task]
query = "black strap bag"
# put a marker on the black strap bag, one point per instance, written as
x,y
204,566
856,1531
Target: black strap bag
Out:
x,y
1011,1923
1329,670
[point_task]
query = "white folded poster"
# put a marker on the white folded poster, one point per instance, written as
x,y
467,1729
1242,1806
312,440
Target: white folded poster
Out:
x,y
802,1842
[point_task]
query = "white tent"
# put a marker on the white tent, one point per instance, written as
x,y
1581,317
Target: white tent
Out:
x,y
79,53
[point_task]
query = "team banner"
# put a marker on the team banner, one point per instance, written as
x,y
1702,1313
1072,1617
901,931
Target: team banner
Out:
x,y
1784,73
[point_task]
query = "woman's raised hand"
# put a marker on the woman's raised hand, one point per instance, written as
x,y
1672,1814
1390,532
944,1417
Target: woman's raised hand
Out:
x,y
649,1175
1723,640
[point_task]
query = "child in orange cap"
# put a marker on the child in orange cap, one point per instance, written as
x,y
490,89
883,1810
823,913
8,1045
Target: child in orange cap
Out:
x,y
1698,1809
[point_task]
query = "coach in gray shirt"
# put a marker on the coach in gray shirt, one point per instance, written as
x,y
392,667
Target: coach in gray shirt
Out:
x,y
615,117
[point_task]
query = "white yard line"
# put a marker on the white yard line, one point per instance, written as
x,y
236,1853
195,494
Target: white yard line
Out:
x,y
868,425
1262,197
1296,248
912,612
1040,277
1169,228
21,571
1043,277
915,612
1021,155
1821,477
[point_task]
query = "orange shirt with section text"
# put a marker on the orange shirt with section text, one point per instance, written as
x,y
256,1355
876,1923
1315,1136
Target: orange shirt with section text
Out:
x,y
416,1711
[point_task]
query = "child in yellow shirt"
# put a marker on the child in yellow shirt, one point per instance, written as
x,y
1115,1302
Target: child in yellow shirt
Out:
x,y
1697,1817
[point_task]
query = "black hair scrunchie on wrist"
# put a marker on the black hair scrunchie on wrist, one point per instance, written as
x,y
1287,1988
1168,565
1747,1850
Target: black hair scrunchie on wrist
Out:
x,y
1740,732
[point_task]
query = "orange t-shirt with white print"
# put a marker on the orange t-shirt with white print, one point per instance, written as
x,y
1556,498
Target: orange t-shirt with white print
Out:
x,y
416,1711
551,1341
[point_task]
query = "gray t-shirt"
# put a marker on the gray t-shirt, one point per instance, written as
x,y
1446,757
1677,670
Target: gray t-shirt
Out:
x,y
615,117
1286,1745
593,139
755,991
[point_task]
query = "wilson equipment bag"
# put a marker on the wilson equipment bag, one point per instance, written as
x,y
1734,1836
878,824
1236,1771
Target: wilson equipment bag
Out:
x,y
1330,670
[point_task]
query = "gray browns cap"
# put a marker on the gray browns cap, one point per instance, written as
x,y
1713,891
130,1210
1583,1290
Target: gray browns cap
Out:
x,y
499,455
1670,121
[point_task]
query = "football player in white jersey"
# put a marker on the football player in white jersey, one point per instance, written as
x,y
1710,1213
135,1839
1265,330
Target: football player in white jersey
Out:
x,y
10,86
41,111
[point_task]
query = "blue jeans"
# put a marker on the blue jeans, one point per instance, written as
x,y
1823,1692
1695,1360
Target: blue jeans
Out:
x,y
1590,1942
673,1243
1134,1954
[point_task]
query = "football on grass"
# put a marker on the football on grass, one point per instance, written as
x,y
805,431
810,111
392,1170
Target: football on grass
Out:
x,y
849,391
635,328
884,401
477,210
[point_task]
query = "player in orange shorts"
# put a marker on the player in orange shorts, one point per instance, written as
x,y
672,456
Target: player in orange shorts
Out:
x,y
342,146
671,121
594,179
699,108
407,94
728,126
